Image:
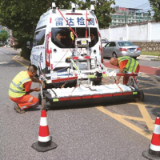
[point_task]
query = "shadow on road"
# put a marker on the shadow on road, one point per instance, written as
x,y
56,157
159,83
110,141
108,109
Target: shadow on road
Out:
x,y
76,106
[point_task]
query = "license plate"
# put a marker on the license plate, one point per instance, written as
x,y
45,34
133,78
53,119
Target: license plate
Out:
x,y
132,49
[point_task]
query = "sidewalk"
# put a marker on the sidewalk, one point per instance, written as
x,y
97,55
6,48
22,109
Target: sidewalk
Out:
x,y
147,57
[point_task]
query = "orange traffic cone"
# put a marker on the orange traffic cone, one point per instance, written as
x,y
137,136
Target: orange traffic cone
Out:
x,y
44,139
154,150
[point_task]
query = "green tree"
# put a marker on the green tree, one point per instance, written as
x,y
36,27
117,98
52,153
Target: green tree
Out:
x,y
3,35
155,4
102,10
22,16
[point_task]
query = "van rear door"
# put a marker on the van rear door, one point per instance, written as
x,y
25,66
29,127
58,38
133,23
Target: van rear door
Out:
x,y
48,49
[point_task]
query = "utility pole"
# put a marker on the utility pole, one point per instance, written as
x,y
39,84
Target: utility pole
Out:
x,y
139,16
125,16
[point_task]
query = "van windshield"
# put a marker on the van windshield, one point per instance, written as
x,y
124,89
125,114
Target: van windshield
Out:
x,y
64,38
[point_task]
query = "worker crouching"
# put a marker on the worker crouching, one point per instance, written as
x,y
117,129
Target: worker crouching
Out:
x,y
125,64
20,89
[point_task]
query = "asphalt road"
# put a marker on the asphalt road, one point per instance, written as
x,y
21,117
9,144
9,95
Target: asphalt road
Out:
x,y
117,131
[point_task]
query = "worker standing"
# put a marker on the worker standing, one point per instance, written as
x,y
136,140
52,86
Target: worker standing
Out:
x,y
20,88
126,64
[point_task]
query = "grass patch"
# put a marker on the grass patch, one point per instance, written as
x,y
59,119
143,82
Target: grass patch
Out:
x,y
150,53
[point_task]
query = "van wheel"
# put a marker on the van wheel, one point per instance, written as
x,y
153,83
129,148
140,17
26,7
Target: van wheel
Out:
x,y
114,55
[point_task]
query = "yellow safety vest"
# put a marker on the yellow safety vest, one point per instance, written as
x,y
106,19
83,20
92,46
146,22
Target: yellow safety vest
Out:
x,y
131,65
16,88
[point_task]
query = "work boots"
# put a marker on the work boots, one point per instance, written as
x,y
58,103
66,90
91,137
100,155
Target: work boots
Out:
x,y
18,109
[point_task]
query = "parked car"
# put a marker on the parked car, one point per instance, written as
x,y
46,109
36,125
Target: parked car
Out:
x,y
104,42
121,48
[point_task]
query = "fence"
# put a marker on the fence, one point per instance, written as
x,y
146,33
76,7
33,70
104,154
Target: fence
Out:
x,y
142,32
146,35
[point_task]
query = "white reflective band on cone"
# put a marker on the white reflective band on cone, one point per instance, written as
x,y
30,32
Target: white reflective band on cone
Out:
x,y
43,121
156,129
154,148
43,139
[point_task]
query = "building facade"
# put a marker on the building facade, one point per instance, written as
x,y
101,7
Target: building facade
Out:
x,y
129,15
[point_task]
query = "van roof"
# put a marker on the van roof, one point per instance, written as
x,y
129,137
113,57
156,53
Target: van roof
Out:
x,y
59,17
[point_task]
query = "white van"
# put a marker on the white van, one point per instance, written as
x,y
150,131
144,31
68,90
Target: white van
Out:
x,y
55,39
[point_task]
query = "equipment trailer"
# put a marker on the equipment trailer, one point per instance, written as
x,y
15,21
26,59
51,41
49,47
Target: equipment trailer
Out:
x,y
85,92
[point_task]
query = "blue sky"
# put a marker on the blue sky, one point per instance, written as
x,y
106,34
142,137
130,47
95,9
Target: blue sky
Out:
x,y
140,4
